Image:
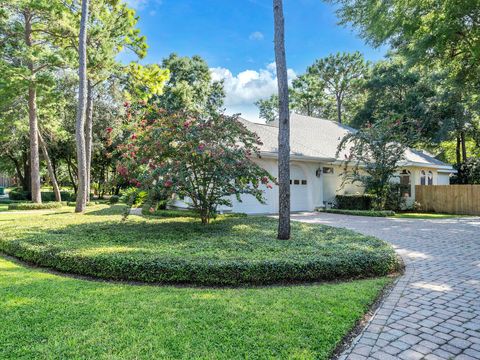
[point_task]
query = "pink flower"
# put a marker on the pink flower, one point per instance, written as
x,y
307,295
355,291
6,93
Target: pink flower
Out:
x,y
126,104
109,130
264,180
168,183
134,136
201,147
269,186
151,210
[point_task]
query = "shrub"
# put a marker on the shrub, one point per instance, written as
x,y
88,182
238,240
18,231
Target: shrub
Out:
x,y
33,206
374,213
18,194
233,250
114,199
22,195
354,202
50,196
395,200
134,197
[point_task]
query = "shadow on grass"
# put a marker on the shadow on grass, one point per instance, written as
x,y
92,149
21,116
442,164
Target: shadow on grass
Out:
x,y
117,209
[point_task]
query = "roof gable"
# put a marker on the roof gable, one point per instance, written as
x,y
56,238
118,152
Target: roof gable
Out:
x,y
319,138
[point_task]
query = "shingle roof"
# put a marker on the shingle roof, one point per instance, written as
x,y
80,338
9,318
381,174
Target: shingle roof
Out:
x,y
319,138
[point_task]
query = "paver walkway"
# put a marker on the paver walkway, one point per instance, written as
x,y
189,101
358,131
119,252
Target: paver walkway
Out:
x,y
433,312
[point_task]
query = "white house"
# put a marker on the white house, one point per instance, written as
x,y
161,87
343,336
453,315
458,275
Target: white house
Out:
x,y
315,170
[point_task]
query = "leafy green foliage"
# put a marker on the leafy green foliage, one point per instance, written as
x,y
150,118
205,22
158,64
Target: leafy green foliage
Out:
x,y
206,159
376,151
233,250
34,206
341,76
354,202
99,320
47,196
394,91
331,89
445,32
471,170
268,108
373,213
190,86
114,199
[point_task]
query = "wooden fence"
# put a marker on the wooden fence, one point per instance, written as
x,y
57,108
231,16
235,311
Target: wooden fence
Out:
x,y
449,199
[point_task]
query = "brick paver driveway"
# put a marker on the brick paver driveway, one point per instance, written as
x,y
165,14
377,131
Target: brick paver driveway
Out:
x,y
433,312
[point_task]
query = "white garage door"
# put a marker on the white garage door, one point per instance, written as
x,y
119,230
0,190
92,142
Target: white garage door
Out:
x,y
298,189
250,205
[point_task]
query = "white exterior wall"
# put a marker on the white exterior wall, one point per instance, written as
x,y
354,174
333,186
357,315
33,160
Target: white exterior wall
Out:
x,y
314,190
317,189
443,178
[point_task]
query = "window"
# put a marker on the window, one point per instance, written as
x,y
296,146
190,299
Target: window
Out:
x,y
304,182
423,178
328,170
405,177
430,178
296,182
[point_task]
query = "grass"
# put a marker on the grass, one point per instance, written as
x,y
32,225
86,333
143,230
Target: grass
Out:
x,y
411,215
45,316
231,251
3,207
373,213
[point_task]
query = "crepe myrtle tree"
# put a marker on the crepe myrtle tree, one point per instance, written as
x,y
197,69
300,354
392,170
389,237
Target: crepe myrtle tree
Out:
x,y
207,159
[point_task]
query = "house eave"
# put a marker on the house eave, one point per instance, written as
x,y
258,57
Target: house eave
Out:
x,y
298,157
443,168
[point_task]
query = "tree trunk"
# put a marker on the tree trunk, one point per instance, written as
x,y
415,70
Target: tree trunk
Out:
x,y
70,174
89,137
464,146
82,104
26,171
18,170
284,124
339,109
32,117
51,173
457,153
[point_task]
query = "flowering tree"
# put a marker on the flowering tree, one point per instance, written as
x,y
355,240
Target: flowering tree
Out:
x,y
207,159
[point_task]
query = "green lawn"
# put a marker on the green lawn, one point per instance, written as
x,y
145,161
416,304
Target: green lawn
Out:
x,y
45,316
409,215
232,250
3,207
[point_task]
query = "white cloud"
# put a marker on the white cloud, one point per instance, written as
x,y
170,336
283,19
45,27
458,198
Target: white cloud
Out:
x,y
244,89
257,35
137,4
142,4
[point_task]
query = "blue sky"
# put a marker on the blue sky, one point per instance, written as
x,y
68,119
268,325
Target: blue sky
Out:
x,y
235,37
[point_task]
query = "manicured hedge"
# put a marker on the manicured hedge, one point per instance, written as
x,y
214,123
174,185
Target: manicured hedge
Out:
x,y
32,206
354,202
374,213
231,251
20,194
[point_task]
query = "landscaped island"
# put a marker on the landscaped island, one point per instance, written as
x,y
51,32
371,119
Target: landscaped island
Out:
x,y
233,250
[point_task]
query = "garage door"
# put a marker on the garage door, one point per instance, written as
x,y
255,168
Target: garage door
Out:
x,y
250,205
298,189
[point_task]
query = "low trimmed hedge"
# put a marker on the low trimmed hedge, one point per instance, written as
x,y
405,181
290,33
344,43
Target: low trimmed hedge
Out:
x,y
231,251
373,213
19,194
354,202
33,206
